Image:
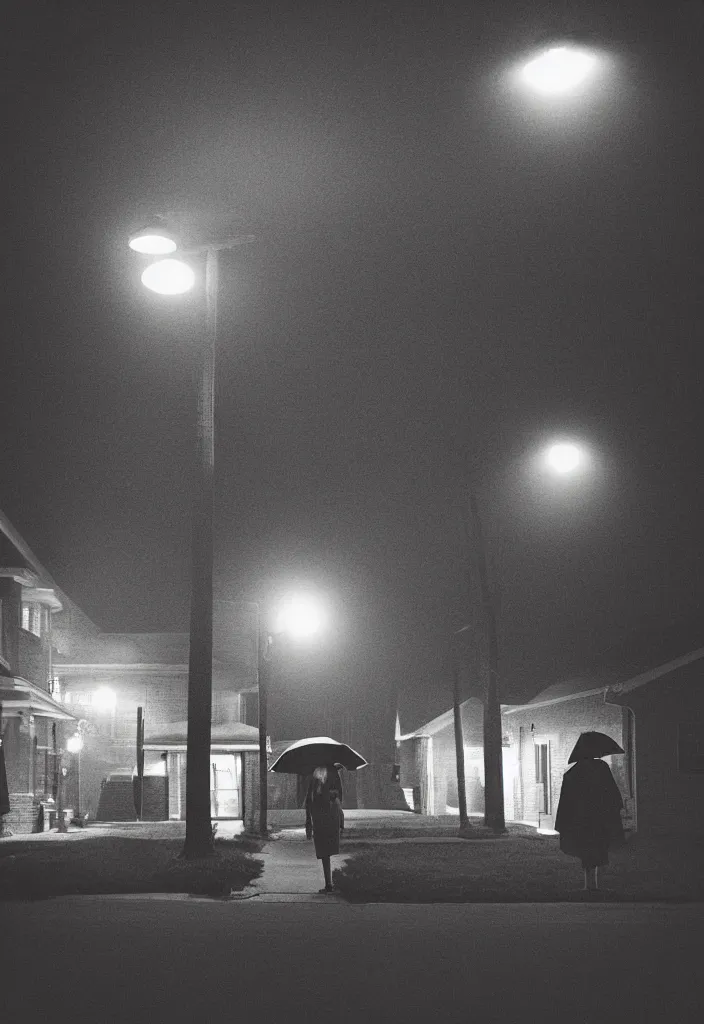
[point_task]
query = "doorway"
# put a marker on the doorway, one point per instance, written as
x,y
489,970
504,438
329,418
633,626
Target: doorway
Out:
x,y
226,786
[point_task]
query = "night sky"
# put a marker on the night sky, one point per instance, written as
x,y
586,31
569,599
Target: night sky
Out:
x,y
448,273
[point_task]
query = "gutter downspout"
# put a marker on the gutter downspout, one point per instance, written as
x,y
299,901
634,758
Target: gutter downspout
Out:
x,y
632,775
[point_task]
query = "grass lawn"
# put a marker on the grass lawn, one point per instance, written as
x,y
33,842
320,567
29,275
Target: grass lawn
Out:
x,y
519,868
112,864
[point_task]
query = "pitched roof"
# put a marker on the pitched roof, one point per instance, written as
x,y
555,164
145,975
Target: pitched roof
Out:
x,y
641,656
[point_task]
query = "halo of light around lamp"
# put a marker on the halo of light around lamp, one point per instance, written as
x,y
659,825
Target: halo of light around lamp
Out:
x,y
168,277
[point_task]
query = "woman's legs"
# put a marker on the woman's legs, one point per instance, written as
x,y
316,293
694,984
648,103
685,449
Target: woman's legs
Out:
x,y
327,873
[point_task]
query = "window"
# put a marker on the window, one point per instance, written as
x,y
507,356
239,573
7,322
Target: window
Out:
x,y
32,618
690,748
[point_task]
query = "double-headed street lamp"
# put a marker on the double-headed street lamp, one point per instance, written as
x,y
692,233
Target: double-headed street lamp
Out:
x,y
172,276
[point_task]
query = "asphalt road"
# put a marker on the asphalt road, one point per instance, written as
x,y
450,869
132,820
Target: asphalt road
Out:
x,y
105,959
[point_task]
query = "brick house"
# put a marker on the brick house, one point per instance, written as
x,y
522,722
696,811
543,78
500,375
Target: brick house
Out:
x,y
60,674
428,763
30,715
105,677
655,713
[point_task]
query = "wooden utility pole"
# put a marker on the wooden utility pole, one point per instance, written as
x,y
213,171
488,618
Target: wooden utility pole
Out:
x,y
459,743
493,756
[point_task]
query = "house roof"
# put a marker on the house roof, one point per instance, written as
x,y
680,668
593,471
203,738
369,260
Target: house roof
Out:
x,y
646,654
18,695
28,559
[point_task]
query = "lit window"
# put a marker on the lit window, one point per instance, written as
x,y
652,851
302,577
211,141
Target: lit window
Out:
x,y
32,618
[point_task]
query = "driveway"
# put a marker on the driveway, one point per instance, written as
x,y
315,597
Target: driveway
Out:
x,y
136,959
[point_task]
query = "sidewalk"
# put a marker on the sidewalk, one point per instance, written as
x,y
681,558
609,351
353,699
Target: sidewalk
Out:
x,y
292,874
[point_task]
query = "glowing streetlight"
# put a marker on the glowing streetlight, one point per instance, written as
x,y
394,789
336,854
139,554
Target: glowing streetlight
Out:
x,y
564,458
168,277
74,743
154,239
559,70
300,617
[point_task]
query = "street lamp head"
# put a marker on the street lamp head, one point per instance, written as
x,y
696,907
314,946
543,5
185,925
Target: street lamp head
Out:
x,y
564,458
559,70
300,616
153,239
74,744
168,277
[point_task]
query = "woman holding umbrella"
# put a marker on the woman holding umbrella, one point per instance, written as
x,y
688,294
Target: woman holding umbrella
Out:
x,y
589,811
324,816
324,758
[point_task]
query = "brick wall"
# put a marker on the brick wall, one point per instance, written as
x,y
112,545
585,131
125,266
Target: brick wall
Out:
x,y
34,655
24,814
73,633
250,767
560,724
11,597
669,801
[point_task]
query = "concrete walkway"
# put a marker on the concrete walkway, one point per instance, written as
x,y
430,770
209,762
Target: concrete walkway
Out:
x,y
292,874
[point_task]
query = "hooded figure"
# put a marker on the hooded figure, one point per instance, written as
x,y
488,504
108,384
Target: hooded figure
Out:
x,y
324,816
589,814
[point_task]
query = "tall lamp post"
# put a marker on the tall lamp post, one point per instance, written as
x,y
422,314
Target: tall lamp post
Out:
x,y
173,277
561,459
299,617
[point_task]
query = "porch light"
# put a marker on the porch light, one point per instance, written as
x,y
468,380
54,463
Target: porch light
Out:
x,y
74,743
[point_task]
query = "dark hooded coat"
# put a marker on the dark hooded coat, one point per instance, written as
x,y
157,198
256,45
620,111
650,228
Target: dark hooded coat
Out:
x,y
324,815
589,812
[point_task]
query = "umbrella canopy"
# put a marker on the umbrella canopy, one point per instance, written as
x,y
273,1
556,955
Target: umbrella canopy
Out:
x,y
303,756
594,744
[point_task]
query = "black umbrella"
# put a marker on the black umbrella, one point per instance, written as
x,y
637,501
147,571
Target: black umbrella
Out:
x,y
594,744
304,756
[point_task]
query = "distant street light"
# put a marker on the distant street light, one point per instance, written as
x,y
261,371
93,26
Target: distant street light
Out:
x,y
559,70
564,458
173,277
169,277
301,617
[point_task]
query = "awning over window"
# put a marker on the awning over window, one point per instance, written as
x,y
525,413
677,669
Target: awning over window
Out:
x,y
232,736
19,696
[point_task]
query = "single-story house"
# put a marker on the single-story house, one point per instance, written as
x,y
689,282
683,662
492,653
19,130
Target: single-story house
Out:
x,y
428,764
648,694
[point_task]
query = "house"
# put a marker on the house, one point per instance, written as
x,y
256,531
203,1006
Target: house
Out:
x,y
29,712
60,676
428,764
647,693
105,678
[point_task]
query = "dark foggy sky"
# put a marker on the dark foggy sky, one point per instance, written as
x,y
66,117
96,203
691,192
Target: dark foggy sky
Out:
x,y
445,270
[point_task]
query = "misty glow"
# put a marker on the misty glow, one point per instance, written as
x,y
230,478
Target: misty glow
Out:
x,y
300,616
559,70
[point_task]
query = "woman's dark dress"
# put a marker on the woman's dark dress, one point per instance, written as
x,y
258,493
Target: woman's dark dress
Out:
x,y
324,816
589,812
